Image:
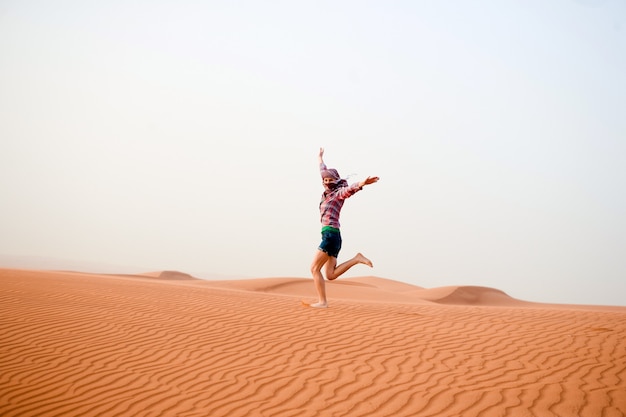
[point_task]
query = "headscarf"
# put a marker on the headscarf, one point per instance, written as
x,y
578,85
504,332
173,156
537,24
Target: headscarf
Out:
x,y
334,174
331,173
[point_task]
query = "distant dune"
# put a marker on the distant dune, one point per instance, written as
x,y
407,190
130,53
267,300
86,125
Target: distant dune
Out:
x,y
169,275
167,344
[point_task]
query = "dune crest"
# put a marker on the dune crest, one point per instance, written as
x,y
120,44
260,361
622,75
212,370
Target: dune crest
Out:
x,y
170,276
469,295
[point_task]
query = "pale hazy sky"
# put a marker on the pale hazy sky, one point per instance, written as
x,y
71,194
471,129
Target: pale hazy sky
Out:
x,y
183,135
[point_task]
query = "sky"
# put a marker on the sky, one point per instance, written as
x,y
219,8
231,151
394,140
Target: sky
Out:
x,y
183,135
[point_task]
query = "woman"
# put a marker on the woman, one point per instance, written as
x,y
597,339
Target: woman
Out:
x,y
336,191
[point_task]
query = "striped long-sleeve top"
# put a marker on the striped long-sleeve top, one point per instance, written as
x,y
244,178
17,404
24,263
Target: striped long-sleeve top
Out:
x,y
332,201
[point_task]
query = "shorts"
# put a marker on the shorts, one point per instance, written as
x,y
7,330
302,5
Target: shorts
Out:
x,y
331,243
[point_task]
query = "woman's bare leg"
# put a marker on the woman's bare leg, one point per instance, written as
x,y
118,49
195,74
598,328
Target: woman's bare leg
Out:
x,y
316,270
334,271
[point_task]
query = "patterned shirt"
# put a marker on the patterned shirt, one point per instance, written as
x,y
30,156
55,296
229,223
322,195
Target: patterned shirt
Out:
x,y
332,201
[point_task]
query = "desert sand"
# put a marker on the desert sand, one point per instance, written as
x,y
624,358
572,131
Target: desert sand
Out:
x,y
166,344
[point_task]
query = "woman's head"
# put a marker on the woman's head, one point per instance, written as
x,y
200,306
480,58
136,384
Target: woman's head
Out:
x,y
331,179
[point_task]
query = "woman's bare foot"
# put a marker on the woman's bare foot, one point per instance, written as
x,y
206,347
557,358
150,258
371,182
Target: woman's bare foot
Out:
x,y
363,260
319,305
314,305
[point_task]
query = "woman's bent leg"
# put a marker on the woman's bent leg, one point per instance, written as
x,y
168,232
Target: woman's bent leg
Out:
x,y
334,271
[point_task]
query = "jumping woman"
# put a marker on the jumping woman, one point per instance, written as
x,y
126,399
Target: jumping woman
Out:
x,y
336,191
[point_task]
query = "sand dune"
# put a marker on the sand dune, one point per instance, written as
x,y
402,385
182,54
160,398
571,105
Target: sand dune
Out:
x,y
170,275
469,295
77,344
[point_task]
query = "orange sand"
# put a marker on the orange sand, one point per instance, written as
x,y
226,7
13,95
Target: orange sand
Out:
x,y
164,344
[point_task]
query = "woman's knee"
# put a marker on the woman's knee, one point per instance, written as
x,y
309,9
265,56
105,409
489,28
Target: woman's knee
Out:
x,y
318,263
316,268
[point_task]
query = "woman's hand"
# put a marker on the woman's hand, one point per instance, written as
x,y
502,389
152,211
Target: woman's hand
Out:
x,y
368,180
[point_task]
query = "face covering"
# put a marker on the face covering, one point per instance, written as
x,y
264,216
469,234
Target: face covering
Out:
x,y
331,186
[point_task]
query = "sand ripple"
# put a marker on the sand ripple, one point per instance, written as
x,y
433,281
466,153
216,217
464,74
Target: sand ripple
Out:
x,y
85,345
